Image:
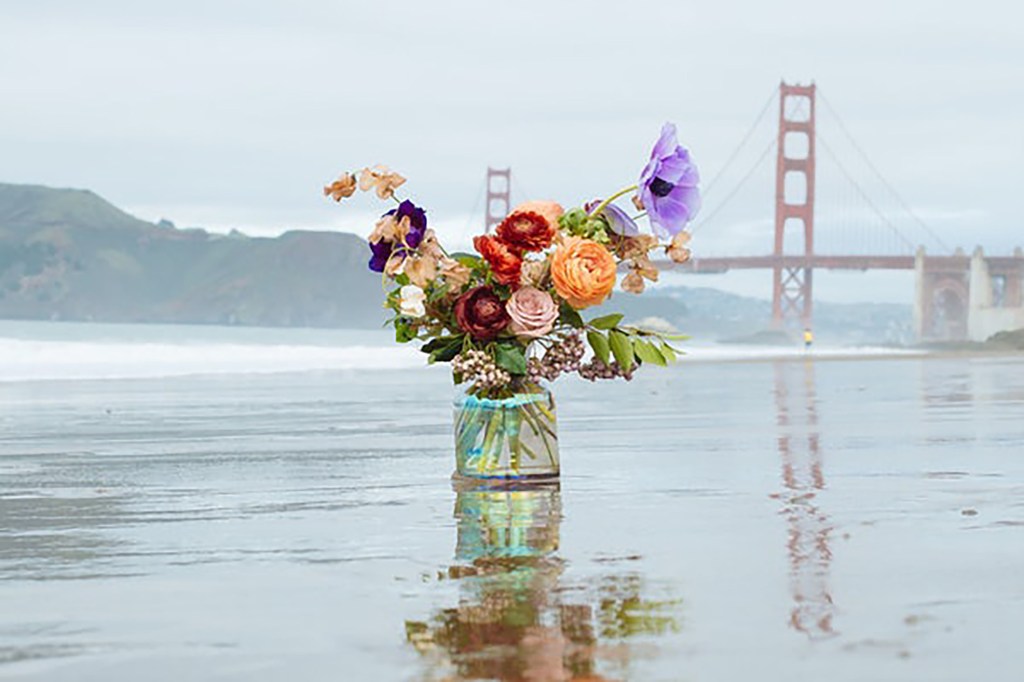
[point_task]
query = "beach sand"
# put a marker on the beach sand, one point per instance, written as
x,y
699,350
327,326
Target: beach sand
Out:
x,y
795,519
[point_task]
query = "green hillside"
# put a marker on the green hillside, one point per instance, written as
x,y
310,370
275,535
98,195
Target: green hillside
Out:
x,y
70,255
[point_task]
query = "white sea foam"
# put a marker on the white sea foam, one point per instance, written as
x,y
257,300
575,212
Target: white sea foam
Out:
x,y
726,353
31,351
28,360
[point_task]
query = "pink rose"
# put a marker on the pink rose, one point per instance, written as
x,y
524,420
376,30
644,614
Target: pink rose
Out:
x,y
533,312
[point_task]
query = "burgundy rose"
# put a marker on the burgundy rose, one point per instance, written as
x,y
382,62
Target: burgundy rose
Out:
x,y
481,314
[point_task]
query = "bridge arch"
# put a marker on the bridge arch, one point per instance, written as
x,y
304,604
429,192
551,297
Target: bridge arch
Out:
x,y
946,316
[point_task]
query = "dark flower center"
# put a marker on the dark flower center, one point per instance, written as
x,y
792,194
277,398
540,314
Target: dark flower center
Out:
x,y
661,188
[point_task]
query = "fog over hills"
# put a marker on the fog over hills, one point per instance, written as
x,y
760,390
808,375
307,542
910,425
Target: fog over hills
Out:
x,y
70,255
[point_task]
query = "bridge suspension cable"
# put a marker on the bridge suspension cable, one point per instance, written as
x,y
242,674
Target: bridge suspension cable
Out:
x,y
735,190
743,142
469,228
885,182
863,195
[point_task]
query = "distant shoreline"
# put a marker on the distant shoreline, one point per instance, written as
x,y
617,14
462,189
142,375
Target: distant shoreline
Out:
x,y
840,355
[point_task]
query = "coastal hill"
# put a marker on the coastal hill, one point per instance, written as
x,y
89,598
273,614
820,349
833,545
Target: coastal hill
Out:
x,y
70,255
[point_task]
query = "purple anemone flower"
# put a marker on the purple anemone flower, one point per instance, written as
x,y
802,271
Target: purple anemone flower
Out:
x,y
383,249
381,253
618,220
668,185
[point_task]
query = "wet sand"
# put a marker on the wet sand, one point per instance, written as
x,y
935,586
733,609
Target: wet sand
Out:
x,y
790,520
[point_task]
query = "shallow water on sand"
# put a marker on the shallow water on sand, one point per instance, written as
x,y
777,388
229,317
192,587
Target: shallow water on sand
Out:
x,y
800,519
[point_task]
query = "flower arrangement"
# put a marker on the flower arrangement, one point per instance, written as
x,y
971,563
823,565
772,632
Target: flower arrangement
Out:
x,y
509,316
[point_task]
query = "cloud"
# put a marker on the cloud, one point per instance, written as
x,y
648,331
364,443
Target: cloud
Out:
x,y
235,113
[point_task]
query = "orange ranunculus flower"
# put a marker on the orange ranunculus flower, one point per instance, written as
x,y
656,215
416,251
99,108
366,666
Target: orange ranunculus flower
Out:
x,y
530,226
505,263
526,231
550,210
583,272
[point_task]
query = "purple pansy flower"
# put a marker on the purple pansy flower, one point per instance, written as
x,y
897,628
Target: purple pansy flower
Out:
x,y
619,221
668,185
383,249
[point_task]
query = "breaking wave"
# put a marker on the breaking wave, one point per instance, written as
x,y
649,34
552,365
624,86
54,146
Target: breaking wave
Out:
x,y
30,360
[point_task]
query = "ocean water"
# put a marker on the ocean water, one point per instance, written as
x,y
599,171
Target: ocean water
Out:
x,y
49,350
222,504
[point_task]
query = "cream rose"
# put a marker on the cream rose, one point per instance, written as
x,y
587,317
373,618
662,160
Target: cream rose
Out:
x,y
533,312
411,301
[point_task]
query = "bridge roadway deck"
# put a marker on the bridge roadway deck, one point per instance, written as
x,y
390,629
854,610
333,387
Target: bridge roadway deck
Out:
x,y
956,262
713,265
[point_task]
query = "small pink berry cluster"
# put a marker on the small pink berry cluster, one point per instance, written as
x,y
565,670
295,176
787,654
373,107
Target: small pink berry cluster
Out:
x,y
562,358
595,369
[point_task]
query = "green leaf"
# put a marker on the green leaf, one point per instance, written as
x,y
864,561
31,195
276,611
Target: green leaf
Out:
x,y
438,292
511,358
446,354
622,349
674,337
646,351
667,352
599,342
404,333
402,279
468,259
435,344
443,348
570,316
606,321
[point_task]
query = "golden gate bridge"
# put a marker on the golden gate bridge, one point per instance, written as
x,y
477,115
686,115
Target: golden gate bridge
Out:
x,y
957,296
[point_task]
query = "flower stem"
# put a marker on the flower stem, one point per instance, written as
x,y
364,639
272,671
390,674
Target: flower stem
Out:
x,y
600,207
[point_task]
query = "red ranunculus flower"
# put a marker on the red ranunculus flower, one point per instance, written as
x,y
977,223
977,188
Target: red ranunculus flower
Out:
x,y
526,230
481,314
505,262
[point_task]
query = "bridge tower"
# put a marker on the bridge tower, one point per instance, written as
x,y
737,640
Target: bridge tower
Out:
x,y
794,170
499,193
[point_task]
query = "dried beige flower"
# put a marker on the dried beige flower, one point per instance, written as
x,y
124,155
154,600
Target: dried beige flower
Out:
x,y
455,273
430,246
638,246
395,265
637,202
533,273
382,179
633,283
390,230
677,249
343,187
421,270
643,266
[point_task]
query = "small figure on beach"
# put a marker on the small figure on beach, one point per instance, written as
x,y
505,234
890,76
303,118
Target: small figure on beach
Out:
x,y
808,338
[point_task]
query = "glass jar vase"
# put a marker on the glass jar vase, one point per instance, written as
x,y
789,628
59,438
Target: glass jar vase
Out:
x,y
513,438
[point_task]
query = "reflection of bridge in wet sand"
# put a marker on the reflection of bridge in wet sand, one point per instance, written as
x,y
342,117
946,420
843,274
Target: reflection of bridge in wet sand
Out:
x,y
803,478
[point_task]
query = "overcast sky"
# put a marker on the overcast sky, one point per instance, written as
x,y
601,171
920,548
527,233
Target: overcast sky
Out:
x,y
233,114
